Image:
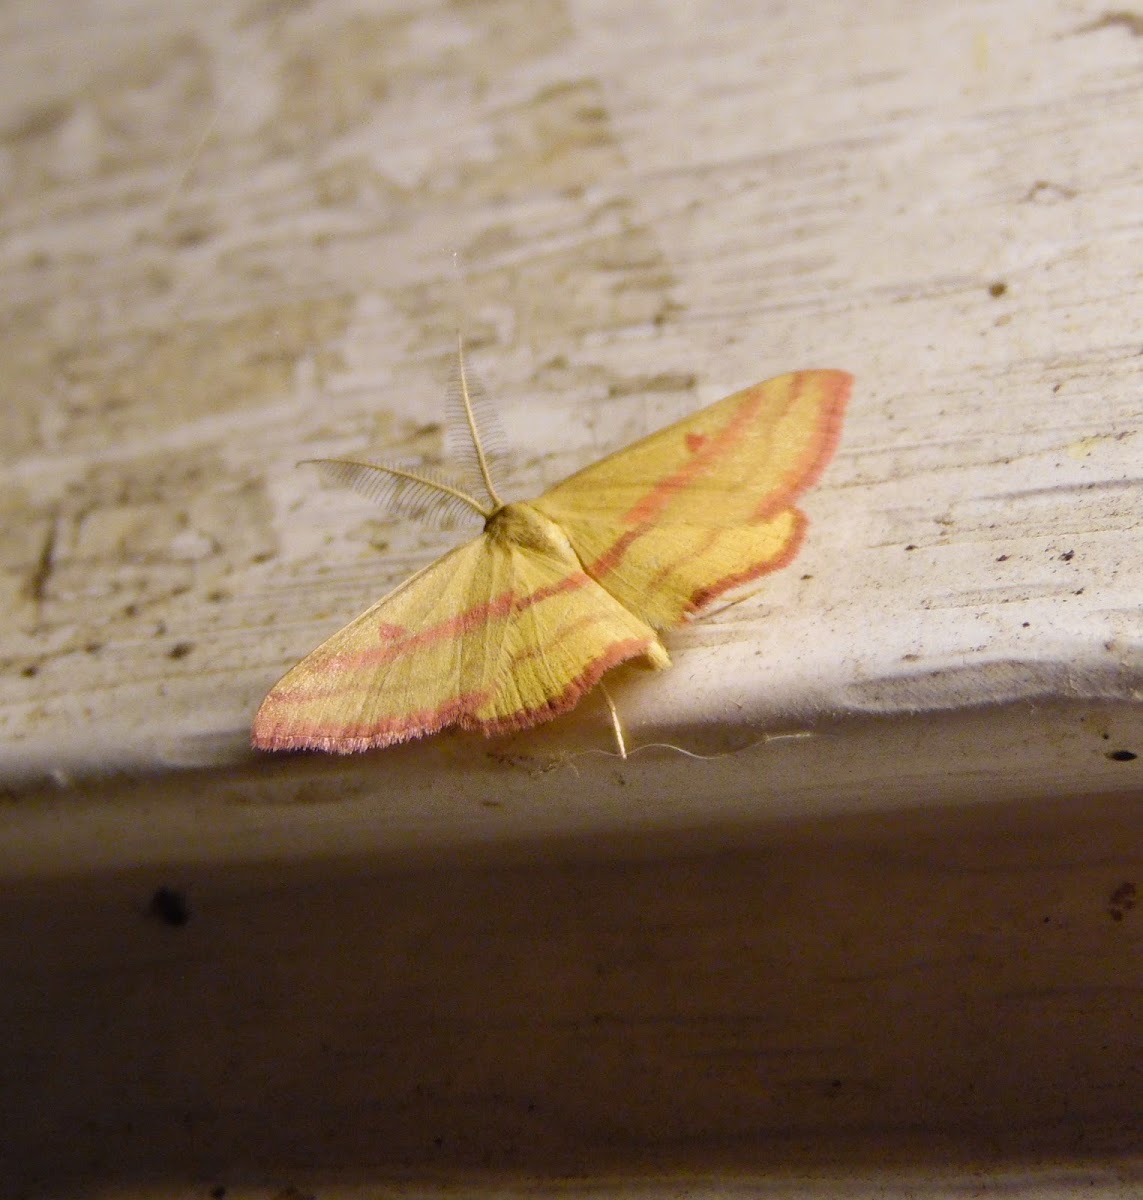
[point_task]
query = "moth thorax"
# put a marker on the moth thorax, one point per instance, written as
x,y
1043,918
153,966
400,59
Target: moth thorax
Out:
x,y
524,526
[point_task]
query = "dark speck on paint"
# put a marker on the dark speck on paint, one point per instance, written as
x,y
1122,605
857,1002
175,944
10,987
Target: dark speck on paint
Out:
x,y
169,906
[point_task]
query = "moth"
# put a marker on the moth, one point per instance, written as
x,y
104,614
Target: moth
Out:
x,y
514,627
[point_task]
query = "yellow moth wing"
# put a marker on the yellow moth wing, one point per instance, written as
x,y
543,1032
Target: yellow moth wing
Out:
x,y
512,628
499,634
672,521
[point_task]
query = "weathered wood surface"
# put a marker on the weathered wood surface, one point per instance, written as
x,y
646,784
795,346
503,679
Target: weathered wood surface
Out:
x,y
227,245
226,232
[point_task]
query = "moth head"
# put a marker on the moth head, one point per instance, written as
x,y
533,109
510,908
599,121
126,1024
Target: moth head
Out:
x,y
525,527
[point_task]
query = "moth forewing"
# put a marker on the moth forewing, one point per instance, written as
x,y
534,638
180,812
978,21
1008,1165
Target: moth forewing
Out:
x,y
514,627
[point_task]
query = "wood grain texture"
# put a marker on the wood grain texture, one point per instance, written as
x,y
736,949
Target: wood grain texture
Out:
x,y
895,953
227,237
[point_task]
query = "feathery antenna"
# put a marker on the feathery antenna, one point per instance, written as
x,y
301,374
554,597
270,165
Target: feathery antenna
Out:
x,y
473,430
425,493
420,493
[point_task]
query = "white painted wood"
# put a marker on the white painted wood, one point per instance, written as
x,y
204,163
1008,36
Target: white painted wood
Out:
x,y
228,246
226,236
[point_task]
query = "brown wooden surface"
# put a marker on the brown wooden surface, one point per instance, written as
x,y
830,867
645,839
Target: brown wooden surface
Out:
x,y
928,995
633,977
